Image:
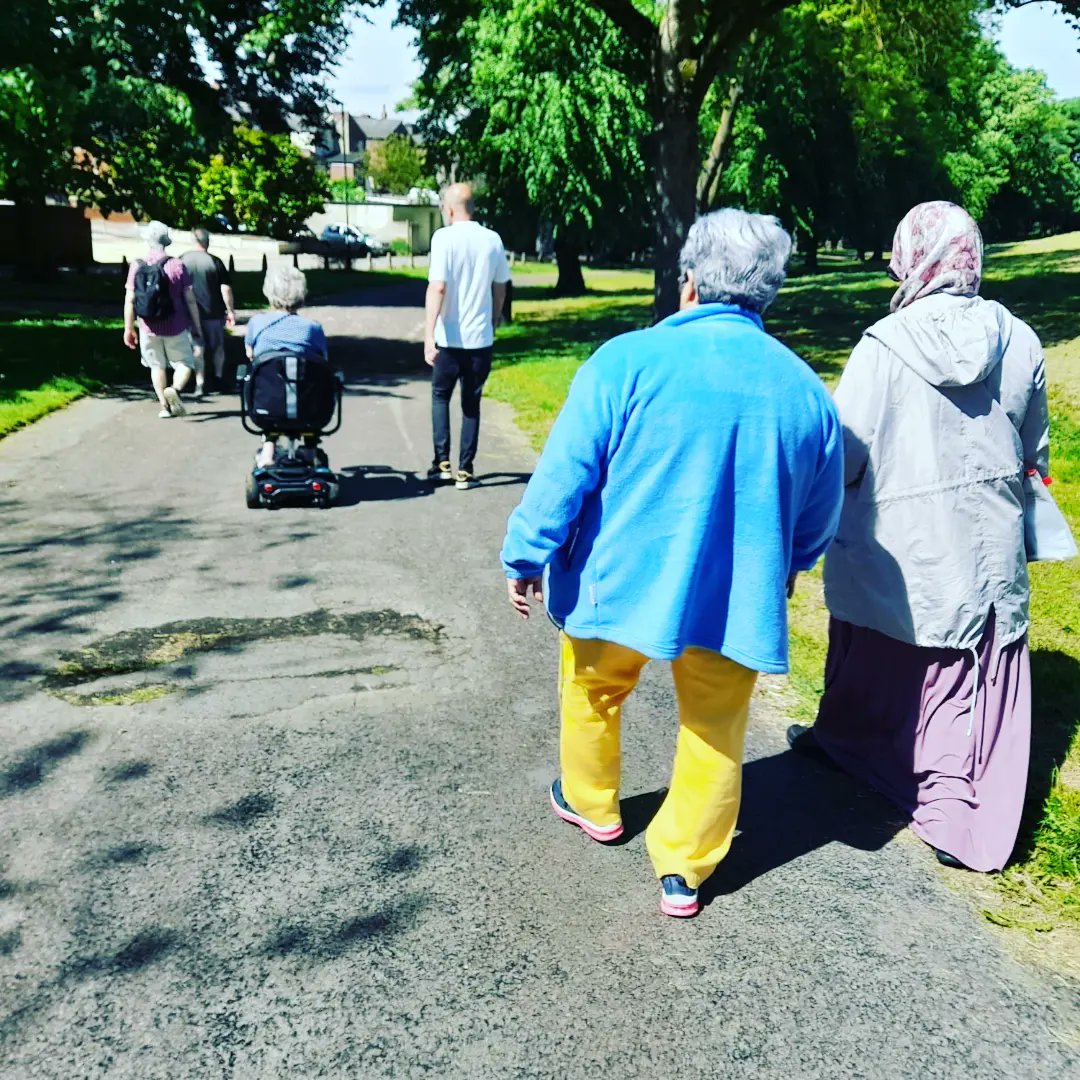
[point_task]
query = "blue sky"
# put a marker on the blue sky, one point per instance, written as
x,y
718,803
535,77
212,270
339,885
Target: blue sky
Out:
x,y
380,65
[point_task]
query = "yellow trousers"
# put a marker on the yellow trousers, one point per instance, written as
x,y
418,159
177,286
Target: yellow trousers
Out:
x,y
693,828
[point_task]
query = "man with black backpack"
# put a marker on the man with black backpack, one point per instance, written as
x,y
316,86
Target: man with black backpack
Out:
x,y
159,294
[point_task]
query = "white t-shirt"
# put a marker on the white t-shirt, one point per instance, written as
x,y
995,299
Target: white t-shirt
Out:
x,y
470,259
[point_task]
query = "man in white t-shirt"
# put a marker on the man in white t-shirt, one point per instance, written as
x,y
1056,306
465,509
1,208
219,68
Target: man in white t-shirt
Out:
x,y
466,290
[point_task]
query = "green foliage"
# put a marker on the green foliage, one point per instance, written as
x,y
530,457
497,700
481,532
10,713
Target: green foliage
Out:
x,y
858,110
112,101
138,149
1018,165
347,191
533,96
396,165
36,125
263,182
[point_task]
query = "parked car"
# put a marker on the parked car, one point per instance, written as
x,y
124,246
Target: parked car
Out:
x,y
302,242
376,247
219,223
345,240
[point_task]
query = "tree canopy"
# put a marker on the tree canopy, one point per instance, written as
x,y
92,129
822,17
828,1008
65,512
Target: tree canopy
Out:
x,y
836,114
668,52
854,116
544,113
262,182
396,164
113,100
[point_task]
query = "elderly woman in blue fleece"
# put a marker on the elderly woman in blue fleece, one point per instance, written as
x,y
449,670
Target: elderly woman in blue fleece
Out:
x,y
695,468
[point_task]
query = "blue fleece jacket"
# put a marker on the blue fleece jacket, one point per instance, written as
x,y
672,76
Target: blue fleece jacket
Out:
x,y
692,468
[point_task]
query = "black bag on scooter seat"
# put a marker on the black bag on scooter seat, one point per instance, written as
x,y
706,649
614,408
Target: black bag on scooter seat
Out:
x,y
291,394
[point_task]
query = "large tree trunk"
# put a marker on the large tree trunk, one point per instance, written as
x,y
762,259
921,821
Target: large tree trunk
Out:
x,y
676,108
676,172
571,281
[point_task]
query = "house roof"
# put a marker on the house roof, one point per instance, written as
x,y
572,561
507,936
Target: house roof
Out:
x,y
374,127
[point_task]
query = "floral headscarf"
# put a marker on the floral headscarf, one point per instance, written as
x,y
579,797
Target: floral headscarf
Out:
x,y
937,249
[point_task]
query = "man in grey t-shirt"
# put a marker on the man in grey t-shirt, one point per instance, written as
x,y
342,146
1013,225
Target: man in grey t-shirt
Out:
x,y
213,292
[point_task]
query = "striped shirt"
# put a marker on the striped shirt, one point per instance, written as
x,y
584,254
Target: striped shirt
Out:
x,y
282,331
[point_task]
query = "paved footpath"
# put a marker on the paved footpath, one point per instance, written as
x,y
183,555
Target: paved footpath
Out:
x,y
273,799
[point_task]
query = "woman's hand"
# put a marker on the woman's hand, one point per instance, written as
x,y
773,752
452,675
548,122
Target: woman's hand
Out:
x,y
519,588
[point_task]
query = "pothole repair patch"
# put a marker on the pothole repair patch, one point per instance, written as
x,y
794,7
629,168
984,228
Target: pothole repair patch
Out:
x,y
135,651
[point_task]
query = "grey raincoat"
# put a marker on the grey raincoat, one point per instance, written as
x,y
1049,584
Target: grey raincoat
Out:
x,y
943,406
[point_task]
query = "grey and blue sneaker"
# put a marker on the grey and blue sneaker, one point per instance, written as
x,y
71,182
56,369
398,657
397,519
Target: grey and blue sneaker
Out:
x,y
678,899
603,833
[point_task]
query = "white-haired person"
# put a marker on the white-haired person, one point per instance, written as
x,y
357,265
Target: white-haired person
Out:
x,y
159,295
281,329
695,468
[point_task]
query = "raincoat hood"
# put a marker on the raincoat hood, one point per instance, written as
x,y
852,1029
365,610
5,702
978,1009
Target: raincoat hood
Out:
x,y
947,340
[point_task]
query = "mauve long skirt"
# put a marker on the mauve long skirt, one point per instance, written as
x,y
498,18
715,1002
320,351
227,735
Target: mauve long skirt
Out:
x,y
907,721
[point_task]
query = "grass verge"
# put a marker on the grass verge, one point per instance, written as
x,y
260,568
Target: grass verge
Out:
x,y
821,316
47,361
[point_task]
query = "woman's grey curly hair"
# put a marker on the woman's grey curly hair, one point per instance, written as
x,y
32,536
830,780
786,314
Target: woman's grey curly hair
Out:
x,y
737,258
285,287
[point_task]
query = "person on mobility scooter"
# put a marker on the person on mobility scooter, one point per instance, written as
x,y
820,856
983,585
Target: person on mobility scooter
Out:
x,y
290,396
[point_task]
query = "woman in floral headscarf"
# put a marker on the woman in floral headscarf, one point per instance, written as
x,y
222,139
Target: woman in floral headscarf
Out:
x,y
927,682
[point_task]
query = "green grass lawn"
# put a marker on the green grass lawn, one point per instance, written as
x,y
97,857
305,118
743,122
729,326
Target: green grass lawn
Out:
x,y
821,316
47,361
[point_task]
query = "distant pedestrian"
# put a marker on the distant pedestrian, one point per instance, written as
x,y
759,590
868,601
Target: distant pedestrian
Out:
x,y
927,681
695,468
466,291
159,294
213,293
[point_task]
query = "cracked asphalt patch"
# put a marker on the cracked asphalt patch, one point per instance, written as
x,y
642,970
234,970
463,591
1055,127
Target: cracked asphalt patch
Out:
x,y
326,852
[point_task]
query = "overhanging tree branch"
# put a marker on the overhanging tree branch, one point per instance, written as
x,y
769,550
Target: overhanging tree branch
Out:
x,y
627,18
726,26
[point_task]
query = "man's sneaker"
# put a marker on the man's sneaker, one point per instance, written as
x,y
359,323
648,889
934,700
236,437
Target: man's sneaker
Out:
x,y
604,833
464,480
165,414
441,470
678,899
172,400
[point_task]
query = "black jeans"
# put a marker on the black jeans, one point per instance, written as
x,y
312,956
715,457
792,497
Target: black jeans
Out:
x,y
471,368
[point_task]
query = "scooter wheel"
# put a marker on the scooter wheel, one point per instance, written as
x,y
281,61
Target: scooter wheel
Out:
x,y
251,494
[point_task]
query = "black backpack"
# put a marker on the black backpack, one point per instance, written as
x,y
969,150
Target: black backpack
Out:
x,y
153,300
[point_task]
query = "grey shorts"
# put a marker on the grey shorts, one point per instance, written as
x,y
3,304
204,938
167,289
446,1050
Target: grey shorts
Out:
x,y
213,332
162,352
